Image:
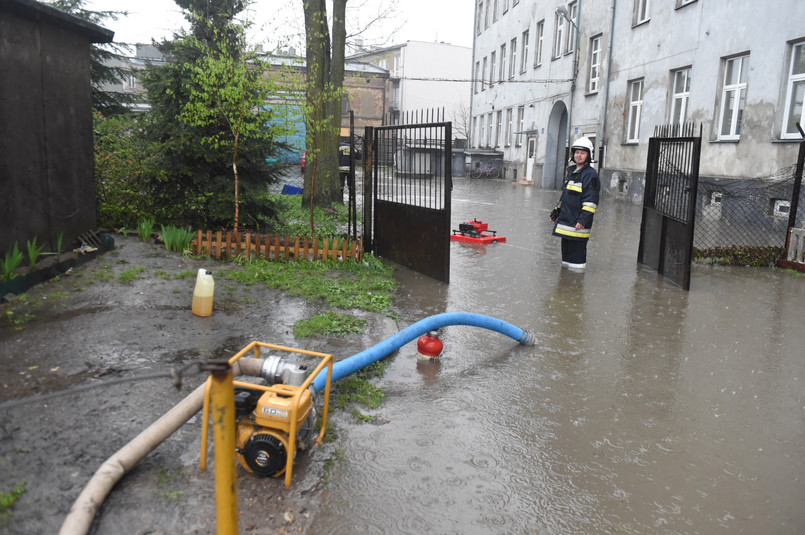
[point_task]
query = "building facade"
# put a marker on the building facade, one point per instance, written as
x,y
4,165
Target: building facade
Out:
x,y
426,76
547,71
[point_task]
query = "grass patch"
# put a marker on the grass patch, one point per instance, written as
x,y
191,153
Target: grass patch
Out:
x,y
104,273
8,499
167,477
737,255
338,456
293,219
130,274
356,388
329,324
368,285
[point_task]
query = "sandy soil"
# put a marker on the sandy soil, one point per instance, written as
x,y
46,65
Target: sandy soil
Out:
x,y
88,327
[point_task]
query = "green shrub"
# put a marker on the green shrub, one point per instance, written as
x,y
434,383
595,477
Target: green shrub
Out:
x,y
11,262
33,251
145,228
740,255
176,239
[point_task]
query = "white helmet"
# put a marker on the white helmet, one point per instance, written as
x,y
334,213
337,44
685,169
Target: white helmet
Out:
x,y
583,143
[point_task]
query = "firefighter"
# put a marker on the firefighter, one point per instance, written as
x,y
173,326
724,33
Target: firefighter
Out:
x,y
573,216
343,163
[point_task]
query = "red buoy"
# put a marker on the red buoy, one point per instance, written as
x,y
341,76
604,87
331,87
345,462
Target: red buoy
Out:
x,y
429,346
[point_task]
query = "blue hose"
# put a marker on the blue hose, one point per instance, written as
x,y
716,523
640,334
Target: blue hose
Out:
x,y
356,362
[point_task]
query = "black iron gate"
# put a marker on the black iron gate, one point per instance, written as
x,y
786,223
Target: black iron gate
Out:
x,y
669,204
409,179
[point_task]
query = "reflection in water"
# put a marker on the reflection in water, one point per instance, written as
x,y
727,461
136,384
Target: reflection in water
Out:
x,y
643,408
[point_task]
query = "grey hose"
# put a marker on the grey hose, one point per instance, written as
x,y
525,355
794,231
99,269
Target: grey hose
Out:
x,y
79,519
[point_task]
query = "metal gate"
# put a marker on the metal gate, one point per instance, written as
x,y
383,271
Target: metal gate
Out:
x,y
669,204
409,179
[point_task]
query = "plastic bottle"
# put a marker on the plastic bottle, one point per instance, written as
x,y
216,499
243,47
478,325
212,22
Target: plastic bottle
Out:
x,y
203,292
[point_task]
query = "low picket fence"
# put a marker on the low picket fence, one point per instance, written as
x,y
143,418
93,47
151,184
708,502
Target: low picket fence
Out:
x,y
220,245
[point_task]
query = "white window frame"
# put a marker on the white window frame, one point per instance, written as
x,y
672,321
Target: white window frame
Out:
x,y
512,58
733,90
518,137
683,3
642,12
480,25
477,80
509,125
505,6
594,78
795,95
524,54
635,96
573,10
490,128
502,74
499,128
679,96
486,14
495,12
483,75
539,42
492,69
558,36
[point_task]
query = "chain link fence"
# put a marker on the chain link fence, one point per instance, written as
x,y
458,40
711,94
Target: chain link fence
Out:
x,y
749,215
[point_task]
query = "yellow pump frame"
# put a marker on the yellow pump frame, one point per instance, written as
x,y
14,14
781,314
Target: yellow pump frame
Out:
x,y
295,394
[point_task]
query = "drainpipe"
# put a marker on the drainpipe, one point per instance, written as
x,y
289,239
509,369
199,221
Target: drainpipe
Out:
x,y
602,138
474,81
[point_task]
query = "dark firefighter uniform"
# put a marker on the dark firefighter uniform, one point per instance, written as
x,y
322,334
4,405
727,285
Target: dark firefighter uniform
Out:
x,y
578,204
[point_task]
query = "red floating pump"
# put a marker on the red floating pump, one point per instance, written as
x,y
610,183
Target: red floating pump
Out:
x,y
429,347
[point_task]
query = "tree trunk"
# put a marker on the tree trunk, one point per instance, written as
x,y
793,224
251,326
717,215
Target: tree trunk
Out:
x,y
324,88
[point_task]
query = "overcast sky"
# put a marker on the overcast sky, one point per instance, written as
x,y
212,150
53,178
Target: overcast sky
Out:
x,y
278,22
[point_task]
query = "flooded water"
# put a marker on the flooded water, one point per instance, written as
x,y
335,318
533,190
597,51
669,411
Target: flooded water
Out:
x,y
642,408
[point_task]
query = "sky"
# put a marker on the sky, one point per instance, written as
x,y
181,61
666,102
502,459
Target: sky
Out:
x,y
277,22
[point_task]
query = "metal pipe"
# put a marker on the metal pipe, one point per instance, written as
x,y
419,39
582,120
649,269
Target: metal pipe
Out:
x,y
223,420
349,365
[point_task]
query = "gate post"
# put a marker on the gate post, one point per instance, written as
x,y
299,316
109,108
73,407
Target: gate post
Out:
x,y
368,182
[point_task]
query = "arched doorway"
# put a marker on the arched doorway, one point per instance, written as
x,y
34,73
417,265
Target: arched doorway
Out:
x,y
556,143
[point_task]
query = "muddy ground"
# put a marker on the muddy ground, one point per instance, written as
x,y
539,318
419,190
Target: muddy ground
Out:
x,y
89,327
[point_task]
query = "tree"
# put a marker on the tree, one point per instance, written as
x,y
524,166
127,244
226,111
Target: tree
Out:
x,y
225,85
324,89
192,177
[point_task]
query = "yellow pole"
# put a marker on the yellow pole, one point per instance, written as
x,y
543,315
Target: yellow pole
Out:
x,y
223,421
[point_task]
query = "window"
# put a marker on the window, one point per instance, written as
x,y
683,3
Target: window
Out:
x,y
781,208
345,105
492,69
479,26
681,3
513,59
483,77
571,27
499,125
129,82
641,12
559,36
486,15
489,130
795,98
733,97
477,75
679,96
495,11
518,137
595,65
524,55
505,5
509,126
635,107
538,44
502,62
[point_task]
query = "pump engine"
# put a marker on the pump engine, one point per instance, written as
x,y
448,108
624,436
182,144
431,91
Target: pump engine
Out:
x,y
264,414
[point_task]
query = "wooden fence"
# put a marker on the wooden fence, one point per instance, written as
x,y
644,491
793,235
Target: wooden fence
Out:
x,y
274,247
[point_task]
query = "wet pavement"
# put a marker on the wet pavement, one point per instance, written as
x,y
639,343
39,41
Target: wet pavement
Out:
x,y
642,409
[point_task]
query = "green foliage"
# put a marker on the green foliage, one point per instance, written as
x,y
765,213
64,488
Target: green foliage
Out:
x,y
368,286
329,324
11,261
737,255
59,240
176,239
293,219
8,499
34,251
145,228
130,274
356,388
